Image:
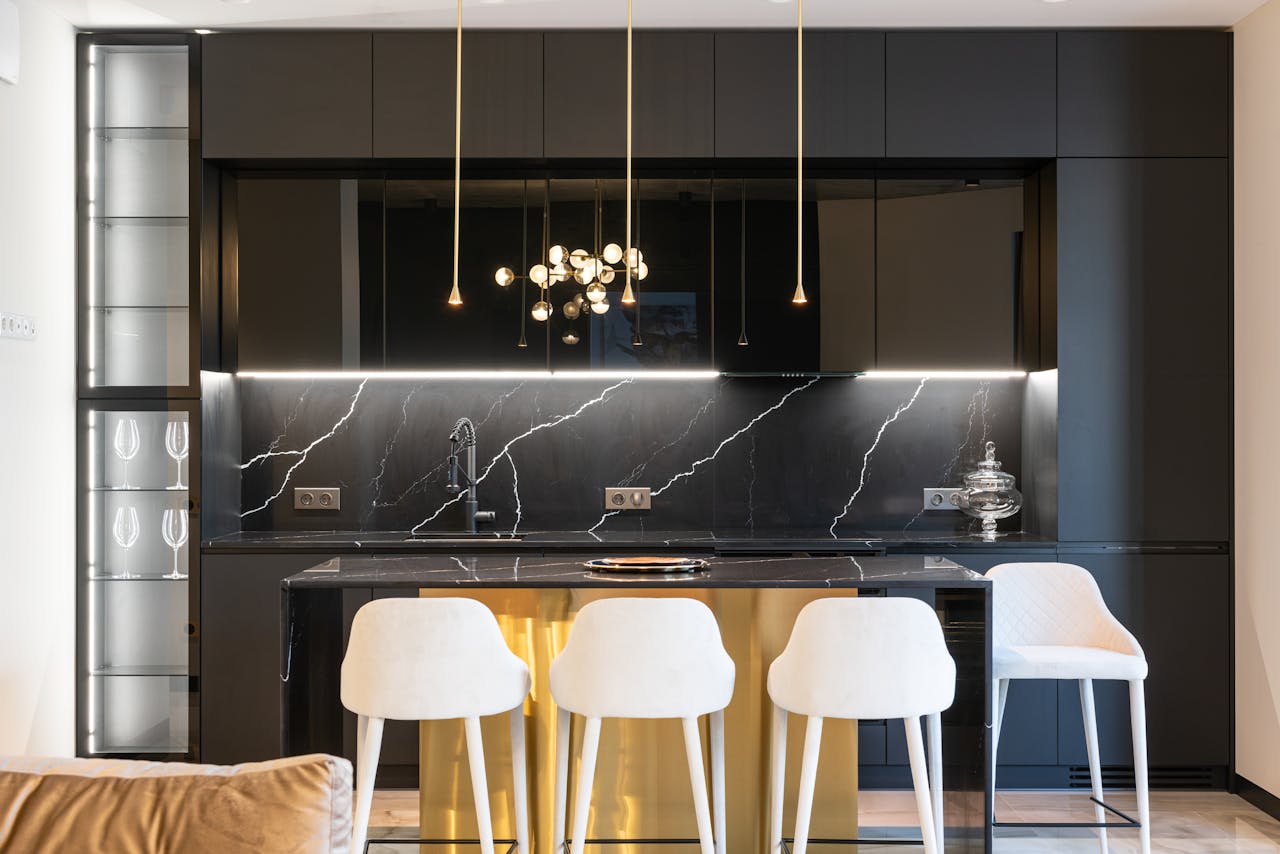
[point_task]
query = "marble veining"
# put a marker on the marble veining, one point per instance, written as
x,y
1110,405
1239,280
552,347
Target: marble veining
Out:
x,y
839,455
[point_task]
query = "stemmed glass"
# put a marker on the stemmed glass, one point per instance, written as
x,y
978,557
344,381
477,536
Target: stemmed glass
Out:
x,y
174,529
125,529
177,443
126,443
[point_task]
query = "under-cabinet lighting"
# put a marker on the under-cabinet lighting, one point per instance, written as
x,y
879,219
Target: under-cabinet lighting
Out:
x,y
943,375
479,375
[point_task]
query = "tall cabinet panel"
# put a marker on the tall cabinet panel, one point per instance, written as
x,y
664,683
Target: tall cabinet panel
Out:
x,y
1144,415
138,419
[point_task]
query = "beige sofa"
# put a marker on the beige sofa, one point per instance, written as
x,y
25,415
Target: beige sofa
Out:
x,y
300,804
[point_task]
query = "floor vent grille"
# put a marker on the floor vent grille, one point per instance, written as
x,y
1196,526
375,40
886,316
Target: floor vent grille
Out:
x,y
1121,777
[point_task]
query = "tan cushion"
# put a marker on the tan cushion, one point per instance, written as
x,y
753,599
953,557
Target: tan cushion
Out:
x,y
300,804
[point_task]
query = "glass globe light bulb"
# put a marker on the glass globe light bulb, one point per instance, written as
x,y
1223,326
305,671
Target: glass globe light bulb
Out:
x,y
556,255
541,310
578,300
612,253
569,337
504,276
600,307
606,275
634,257
581,277
642,270
538,274
595,293
578,257
571,310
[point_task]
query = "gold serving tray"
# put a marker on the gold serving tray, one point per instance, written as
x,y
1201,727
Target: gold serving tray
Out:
x,y
646,564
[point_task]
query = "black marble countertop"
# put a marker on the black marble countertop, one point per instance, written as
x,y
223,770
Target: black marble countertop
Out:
x,y
698,541
387,571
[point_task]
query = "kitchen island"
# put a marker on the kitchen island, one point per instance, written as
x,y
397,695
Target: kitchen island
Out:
x,y
641,785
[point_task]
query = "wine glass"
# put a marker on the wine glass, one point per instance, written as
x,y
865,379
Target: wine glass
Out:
x,y
125,529
174,529
177,443
127,442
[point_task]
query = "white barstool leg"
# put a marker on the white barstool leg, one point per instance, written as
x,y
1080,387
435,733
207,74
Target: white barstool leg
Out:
x,y
1000,695
586,779
479,783
1138,714
808,777
520,771
777,776
562,781
1089,713
367,752
934,723
919,778
698,782
717,779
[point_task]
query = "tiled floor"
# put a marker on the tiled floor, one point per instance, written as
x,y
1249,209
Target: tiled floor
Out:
x,y
1182,823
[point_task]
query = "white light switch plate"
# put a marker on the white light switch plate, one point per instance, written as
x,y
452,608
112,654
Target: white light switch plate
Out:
x,y
17,326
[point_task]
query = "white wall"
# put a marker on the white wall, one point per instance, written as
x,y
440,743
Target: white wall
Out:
x,y
37,392
1257,394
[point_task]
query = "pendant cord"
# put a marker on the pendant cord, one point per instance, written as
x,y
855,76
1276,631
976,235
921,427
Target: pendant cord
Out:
x,y
799,296
627,246
524,256
455,296
742,285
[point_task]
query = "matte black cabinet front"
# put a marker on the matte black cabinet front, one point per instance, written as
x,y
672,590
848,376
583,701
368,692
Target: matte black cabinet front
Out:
x,y
271,95
414,89
672,94
1144,94
970,94
755,94
1144,349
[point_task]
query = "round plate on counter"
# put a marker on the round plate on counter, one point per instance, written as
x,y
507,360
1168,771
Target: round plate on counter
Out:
x,y
646,564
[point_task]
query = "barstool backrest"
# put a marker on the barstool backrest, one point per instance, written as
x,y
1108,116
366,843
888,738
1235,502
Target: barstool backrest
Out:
x,y
1053,604
430,659
864,658
643,658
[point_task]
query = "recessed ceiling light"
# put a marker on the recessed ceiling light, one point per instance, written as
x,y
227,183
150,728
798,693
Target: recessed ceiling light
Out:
x,y
203,32
238,2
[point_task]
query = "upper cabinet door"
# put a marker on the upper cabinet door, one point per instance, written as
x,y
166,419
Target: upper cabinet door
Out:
x,y
672,94
413,94
287,95
1144,94
971,94
755,94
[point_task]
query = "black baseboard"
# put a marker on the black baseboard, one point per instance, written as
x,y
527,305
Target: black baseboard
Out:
x,y
1258,796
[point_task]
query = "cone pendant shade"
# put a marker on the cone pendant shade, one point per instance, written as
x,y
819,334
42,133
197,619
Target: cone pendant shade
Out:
x,y
798,297
455,297
628,297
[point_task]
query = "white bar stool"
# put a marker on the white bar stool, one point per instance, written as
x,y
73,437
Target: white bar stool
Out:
x,y
1051,622
642,658
434,659
862,658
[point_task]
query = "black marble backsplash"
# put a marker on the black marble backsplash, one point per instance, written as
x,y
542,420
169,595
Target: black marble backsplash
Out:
x,y
833,454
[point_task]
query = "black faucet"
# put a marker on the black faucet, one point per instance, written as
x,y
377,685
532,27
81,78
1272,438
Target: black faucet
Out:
x,y
463,438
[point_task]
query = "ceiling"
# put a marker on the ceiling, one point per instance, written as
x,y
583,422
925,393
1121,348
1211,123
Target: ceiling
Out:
x,y
363,14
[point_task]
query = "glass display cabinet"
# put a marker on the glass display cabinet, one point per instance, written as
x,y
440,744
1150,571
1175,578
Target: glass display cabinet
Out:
x,y
138,528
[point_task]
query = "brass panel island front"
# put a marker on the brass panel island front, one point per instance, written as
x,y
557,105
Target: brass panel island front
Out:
x,y
642,786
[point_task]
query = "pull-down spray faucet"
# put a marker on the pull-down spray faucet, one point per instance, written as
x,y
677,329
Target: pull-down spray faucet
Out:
x,y
463,438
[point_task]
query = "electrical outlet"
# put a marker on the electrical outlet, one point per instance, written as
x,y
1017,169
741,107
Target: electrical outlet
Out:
x,y
941,498
317,498
628,498
17,326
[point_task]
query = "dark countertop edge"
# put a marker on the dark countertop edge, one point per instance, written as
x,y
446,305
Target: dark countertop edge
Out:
x,y
648,583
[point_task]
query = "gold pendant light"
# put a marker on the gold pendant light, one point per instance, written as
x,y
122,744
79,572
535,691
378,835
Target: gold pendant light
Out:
x,y
798,297
628,295
455,296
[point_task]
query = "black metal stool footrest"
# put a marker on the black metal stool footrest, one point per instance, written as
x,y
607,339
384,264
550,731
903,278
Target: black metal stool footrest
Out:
x,y
814,840
1129,823
400,840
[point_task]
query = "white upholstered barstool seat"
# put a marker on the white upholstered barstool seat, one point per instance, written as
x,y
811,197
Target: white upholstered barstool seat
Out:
x,y
1051,622
642,658
434,659
863,658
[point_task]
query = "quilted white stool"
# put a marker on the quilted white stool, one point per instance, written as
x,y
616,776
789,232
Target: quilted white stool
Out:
x,y
1050,622
434,659
642,658
862,658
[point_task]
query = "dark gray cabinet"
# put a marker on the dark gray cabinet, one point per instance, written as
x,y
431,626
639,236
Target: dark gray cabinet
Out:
x,y
970,94
755,94
1144,347
1144,94
672,94
413,94
270,95
1179,609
